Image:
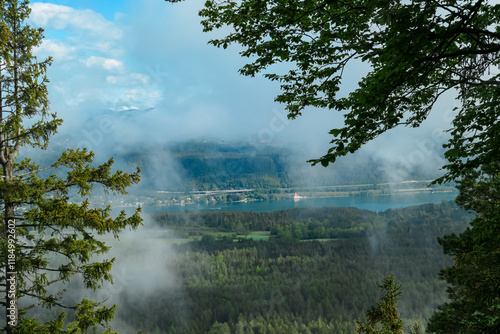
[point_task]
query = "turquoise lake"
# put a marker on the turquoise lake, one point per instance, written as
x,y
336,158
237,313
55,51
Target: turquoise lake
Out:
x,y
372,203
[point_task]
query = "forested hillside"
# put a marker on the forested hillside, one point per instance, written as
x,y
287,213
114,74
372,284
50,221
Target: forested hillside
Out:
x,y
216,164
232,281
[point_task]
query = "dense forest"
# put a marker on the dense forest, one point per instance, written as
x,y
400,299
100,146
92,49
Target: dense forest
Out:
x,y
317,270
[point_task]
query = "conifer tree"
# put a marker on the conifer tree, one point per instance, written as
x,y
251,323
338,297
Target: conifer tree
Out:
x,y
45,238
474,277
384,318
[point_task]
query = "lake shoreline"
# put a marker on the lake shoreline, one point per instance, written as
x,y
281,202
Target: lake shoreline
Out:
x,y
372,202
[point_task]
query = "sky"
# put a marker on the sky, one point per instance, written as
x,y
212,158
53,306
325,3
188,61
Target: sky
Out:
x,y
126,72
146,67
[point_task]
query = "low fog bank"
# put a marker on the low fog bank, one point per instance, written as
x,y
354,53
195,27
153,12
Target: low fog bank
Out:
x,y
141,272
214,163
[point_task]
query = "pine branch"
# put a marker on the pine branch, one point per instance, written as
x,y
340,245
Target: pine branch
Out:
x,y
20,176
51,300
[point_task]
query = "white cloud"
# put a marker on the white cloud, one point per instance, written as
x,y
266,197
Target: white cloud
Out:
x,y
105,63
56,49
124,108
140,94
46,14
61,17
132,78
133,94
155,95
